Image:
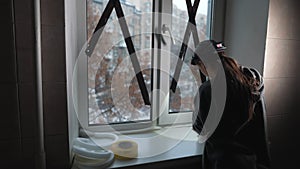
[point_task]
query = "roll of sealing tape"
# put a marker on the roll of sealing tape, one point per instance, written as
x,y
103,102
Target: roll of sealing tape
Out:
x,y
125,149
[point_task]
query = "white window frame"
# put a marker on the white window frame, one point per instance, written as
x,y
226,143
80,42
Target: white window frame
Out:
x,y
166,117
81,80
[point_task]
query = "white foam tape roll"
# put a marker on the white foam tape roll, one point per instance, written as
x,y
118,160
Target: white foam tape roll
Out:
x,y
125,149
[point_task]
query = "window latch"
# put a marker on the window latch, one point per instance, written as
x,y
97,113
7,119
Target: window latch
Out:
x,y
165,29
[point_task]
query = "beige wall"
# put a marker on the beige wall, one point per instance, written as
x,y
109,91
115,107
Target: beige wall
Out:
x,y
282,82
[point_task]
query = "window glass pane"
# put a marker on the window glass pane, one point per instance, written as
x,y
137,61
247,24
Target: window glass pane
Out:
x,y
182,99
111,78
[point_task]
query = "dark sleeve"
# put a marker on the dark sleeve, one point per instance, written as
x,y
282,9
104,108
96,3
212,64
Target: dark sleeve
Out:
x,y
202,104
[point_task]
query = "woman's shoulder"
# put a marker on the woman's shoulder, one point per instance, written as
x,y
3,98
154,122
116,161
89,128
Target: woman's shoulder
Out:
x,y
204,94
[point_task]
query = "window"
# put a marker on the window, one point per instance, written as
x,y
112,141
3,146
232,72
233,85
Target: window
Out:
x,y
116,64
112,92
180,43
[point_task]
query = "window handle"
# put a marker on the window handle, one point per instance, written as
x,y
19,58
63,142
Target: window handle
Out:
x,y
159,37
165,29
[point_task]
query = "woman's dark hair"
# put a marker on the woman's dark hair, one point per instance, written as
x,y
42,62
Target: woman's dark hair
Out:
x,y
246,85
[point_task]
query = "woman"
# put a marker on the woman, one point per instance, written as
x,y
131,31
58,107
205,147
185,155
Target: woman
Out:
x,y
238,142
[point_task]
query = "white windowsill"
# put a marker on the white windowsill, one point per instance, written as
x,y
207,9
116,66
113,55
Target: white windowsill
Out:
x,y
186,146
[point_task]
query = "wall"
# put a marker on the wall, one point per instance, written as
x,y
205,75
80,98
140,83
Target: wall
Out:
x,y
54,83
282,82
245,31
17,84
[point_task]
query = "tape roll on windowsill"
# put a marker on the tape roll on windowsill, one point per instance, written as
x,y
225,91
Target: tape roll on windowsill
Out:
x,y
125,149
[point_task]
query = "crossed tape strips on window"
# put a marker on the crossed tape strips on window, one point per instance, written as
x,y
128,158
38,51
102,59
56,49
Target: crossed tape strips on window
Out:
x,y
115,4
191,28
